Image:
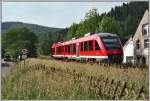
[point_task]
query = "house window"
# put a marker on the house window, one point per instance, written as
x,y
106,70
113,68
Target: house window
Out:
x,y
145,29
146,43
138,44
129,59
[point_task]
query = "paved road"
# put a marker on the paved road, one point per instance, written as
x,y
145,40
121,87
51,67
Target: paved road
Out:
x,y
6,66
5,69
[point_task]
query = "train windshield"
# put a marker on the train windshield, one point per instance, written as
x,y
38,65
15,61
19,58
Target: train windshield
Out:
x,y
111,43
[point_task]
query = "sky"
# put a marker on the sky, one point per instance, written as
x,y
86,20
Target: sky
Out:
x,y
52,14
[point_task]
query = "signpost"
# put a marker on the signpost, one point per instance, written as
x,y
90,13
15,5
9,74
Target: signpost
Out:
x,y
24,53
23,56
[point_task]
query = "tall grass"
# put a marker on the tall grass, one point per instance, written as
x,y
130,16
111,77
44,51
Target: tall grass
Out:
x,y
35,81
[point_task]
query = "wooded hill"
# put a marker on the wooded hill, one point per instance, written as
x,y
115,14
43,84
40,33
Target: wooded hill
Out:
x,y
37,29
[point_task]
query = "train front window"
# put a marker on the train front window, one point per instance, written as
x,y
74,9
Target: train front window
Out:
x,y
96,46
111,43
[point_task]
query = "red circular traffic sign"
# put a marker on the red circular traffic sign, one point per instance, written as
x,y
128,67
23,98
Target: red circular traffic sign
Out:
x,y
24,51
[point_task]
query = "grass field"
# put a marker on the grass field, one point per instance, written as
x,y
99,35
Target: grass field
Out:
x,y
51,79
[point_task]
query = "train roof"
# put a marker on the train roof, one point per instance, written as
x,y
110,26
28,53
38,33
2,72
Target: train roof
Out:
x,y
84,38
106,34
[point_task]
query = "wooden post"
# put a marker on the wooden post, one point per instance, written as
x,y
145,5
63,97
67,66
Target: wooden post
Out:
x,y
110,86
105,86
124,87
141,91
116,90
24,63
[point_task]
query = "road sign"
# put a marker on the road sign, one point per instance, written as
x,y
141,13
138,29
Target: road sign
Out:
x,y
24,51
24,57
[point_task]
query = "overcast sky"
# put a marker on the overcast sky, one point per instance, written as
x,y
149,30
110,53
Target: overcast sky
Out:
x,y
52,14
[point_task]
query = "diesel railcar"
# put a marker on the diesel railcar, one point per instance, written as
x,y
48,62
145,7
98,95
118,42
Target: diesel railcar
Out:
x,y
99,47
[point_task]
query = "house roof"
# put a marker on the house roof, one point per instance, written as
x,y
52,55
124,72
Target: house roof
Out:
x,y
130,39
138,32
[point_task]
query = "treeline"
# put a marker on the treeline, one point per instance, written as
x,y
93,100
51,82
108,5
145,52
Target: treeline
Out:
x,y
122,20
14,40
46,40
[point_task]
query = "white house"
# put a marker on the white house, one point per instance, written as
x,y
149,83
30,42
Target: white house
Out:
x,y
128,50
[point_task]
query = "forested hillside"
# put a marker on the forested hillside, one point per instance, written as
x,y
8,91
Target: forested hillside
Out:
x,y
122,20
129,15
37,29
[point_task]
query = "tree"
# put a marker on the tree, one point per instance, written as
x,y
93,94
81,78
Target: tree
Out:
x,y
91,20
81,30
129,15
89,24
110,25
16,39
45,41
72,31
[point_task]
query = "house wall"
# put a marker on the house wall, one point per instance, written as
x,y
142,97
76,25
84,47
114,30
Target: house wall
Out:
x,y
128,50
141,53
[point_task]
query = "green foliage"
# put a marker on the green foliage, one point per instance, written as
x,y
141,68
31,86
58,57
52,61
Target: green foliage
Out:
x,y
72,31
81,30
45,41
109,25
129,15
91,20
89,24
126,17
16,39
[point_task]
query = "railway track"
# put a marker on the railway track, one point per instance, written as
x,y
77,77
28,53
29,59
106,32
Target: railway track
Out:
x,y
107,64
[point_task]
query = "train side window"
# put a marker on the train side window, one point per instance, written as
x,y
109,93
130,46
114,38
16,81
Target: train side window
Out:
x,y
65,49
53,50
62,48
57,50
71,48
74,48
85,46
68,48
90,45
81,46
96,46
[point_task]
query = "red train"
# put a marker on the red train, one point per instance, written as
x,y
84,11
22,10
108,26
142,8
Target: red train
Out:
x,y
99,47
